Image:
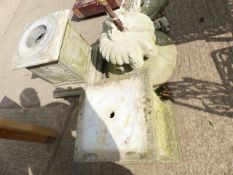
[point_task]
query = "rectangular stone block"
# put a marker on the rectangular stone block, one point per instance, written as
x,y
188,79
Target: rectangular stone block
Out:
x,y
122,121
52,49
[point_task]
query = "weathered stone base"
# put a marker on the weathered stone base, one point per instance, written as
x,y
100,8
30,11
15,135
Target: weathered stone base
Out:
x,y
123,120
94,74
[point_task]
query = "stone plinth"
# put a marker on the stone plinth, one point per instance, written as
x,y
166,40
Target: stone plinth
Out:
x,y
53,50
122,120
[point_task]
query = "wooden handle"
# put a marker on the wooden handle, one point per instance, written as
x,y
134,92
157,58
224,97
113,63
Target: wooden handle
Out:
x,y
11,129
112,14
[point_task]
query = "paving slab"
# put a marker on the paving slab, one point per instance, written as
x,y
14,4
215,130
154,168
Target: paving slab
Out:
x,y
7,12
201,85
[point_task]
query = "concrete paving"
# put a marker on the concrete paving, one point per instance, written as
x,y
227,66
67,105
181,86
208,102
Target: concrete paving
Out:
x,y
202,88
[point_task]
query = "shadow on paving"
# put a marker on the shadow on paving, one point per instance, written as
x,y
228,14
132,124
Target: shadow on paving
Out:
x,y
207,20
204,96
55,158
100,169
207,96
200,20
18,157
203,20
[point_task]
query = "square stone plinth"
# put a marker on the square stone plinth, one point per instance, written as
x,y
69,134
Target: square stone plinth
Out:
x,y
120,121
113,125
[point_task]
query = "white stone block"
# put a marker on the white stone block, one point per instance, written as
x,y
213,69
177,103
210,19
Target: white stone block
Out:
x,y
114,125
52,49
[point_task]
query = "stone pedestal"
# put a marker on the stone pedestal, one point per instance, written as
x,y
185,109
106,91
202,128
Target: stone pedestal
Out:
x,y
54,51
122,120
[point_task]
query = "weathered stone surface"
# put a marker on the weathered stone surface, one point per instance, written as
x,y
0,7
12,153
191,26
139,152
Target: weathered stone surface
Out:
x,y
205,135
152,8
159,67
72,63
94,73
41,41
53,50
130,125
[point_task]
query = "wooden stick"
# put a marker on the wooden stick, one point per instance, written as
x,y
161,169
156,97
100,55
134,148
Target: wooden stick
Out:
x,y
112,14
11,129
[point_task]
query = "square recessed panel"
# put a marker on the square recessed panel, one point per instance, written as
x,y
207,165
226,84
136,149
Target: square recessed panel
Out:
x,y
114,124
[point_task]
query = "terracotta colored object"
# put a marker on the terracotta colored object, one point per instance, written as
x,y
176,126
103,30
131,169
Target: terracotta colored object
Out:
x,y
85,8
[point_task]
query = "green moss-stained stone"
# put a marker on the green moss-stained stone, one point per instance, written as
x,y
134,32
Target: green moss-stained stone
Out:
x,y
131,125
152,7
166,135
75,53
73,61
53,50
159,67
53,73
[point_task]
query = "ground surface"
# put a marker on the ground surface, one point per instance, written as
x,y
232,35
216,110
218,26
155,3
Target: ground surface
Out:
x,y
202,88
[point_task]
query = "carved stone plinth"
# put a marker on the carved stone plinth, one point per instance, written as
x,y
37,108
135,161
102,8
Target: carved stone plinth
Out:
x,y
52,49
123,120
